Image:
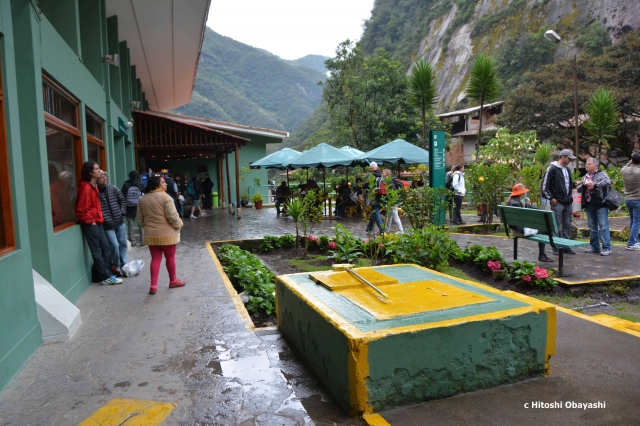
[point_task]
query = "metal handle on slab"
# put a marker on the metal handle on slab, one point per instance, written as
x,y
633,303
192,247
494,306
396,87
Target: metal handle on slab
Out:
x,y
352,272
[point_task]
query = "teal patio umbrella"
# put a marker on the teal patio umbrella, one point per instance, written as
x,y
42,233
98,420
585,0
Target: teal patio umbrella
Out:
x,y
397,152
275,160
352,152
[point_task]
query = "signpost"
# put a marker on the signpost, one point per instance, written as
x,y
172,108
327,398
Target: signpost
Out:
x,y
437,169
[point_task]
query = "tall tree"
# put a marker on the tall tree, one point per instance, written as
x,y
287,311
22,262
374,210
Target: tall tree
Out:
x,y
603,118
366,97
423,92
484,85
545,104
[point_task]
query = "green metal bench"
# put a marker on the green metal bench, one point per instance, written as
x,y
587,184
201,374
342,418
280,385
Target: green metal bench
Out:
x,y
543,221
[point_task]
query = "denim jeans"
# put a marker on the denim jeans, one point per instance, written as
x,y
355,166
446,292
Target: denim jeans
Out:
x,y
99,248
599,227
563,219
131,226
118,244
634,224
375,217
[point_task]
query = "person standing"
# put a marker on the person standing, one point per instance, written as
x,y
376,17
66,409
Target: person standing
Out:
x,y
132,191
196,195
392,215
114,209
376,200
631,178
89,214
282,193
158,216
207,187
172,190
459,192
556,187
594,187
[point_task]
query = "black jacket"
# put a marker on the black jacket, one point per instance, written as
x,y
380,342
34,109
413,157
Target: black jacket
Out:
x,y
207,186
113,206
171,188
553,185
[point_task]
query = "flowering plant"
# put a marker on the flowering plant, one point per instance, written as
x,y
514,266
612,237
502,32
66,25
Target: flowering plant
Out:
x,y
530,273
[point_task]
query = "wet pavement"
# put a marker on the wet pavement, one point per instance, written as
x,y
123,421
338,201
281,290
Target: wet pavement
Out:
x,y
189,346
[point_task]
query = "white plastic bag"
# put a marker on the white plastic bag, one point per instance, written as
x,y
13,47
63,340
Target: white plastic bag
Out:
x,y
528,232
133,268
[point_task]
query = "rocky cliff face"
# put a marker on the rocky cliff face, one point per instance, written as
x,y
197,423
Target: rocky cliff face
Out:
x,y
451,54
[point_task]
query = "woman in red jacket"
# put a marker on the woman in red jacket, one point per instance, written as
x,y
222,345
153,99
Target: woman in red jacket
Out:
x,y
89,214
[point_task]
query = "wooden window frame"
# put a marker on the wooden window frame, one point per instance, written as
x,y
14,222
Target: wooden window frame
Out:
x,y
75,133
5,180
99,142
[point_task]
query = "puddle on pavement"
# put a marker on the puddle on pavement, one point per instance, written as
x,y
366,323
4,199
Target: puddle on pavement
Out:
x,y
215,366
252,369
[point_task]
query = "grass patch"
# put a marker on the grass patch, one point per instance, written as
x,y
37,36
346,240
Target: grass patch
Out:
x,y
627,317
567,300
455,272
626,306
307,265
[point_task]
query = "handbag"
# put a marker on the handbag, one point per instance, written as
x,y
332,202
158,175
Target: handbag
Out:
x,y
613,200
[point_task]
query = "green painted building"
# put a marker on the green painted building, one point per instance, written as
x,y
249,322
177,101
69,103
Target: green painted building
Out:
x,y
73,75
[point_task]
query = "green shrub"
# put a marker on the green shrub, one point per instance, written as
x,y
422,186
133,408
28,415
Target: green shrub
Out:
x,y
430,247
531,273
247,273
345,248
287,241
270,242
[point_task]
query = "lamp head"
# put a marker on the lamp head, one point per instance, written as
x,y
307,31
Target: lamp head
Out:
x,y
135,104
112,59
552,36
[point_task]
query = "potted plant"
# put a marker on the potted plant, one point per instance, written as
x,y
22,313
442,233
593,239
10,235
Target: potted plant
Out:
x,y
244,199
257,181
257,200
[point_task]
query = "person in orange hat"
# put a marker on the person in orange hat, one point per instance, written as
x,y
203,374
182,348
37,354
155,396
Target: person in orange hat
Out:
x,y
518,198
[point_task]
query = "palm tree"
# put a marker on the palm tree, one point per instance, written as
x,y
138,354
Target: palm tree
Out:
x,y
484,85
603,118
423,91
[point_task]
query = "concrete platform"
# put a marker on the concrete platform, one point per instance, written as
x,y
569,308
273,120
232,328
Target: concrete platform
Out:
x,y
454,336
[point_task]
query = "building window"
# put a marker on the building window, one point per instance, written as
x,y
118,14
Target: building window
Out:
x,y
7,239
95,140
64,152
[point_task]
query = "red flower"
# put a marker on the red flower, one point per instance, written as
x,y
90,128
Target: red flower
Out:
x,y
540,273
494,265
332,245
526,278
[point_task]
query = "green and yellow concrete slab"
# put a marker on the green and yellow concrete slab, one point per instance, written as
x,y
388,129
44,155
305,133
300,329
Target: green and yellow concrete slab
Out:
x,y
435,335
130,412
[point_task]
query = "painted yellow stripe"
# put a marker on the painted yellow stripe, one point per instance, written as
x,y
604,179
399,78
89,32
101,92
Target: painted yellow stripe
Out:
x,y
358,365
132,412
375,420
603,319
596,280
237,302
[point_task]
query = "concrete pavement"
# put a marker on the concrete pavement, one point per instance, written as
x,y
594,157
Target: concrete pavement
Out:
x,y
189,346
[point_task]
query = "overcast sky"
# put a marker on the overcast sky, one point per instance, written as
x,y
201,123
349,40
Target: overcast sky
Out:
x,y
290,29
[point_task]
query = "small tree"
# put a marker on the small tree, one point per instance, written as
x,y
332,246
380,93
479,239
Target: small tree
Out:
x,y
296,208
603,118
518,149
488,183
484,85
423,91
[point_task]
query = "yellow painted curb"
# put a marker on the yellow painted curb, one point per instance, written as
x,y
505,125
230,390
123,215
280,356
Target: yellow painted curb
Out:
x,y
133,412
375,420
596,281
237,302
602,319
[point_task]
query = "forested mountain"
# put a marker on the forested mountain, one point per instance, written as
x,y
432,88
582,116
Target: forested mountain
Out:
x,y
449,33
244,85
315,62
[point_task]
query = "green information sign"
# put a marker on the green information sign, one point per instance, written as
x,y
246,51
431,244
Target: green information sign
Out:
x,y
437,170
437,166
122,127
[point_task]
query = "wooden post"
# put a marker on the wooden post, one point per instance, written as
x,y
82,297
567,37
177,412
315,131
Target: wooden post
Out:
x,y
238,206
221,182
226,157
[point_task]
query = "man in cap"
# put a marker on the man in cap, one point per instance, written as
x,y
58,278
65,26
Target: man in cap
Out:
x,y
556,187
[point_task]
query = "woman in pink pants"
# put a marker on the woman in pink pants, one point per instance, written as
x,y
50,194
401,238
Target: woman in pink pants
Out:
x,y
158,217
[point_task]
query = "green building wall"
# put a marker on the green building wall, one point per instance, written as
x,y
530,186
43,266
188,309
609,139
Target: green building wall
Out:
x,y
67,42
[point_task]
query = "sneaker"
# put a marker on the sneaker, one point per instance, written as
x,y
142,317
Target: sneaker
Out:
x,y
635,247
192,217
592,250
554,251
569,251
112,280
605,252
544,258
203,214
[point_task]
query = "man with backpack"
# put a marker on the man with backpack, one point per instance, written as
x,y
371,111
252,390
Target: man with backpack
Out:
x,y
457,184
114,208
195,192
132,191
379,190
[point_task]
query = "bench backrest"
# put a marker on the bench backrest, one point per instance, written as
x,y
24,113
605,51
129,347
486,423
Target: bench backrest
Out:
x,y
542,220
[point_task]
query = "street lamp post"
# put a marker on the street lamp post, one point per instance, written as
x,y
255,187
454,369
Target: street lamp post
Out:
x,y
555,38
